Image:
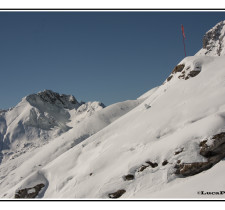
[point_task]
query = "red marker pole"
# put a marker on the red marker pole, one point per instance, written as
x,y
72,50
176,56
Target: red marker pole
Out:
x,y
182,29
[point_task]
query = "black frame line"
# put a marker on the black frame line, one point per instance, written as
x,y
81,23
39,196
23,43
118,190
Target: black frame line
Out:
x,y
113,9
108,10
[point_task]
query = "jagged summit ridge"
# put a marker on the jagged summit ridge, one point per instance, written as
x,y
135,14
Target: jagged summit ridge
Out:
x,y
39,118
51,97
213,41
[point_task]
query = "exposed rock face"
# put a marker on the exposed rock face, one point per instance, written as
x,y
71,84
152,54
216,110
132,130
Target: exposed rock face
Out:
x,y
178,68
213,41
216,148
214,152
50,109
29,192
212,36
60,100
117,194
190,169
185,72
192,74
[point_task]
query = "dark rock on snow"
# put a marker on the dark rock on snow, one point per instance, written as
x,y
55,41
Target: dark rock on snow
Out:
x,y
51,97
165,162
189,169
214,153
153,165
128,177
192,74
169,78
179,151
178,68
143,167
185,73
117,194
29,192
216,148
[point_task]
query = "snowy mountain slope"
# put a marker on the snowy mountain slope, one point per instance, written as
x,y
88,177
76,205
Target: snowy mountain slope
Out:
x,y
37,119
19,168
149,145
208,184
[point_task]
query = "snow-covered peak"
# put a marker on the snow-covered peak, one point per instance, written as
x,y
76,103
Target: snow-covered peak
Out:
x,y
48,96
39,118
214,41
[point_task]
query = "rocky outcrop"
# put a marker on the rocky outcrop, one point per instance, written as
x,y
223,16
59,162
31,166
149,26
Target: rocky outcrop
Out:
x,y
192,73
213,36
214,152
29,192
216,148
185,72
128,177
213,41
165,162
190,169
50,97
178,68
117,194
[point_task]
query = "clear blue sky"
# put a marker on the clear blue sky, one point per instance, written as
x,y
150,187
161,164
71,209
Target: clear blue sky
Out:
x,y
104,56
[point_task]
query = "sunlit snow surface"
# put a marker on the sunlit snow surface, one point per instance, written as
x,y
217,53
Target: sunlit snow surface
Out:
x,y
91,159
